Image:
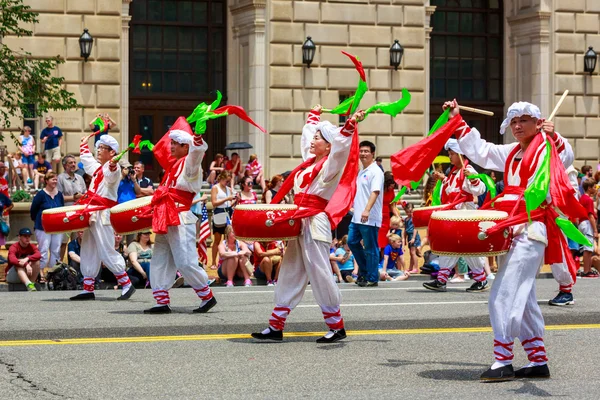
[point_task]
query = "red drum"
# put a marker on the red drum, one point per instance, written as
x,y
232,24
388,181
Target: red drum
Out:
x,y
422,215
256,222
125,217
56,220
462,233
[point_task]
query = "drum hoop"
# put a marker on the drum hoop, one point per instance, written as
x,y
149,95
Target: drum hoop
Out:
x,y
429,208
453,253
259,239
470,219
254,207
122,210
59,210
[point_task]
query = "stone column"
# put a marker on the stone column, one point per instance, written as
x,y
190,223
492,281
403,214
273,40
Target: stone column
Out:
x,y
429,10
125,19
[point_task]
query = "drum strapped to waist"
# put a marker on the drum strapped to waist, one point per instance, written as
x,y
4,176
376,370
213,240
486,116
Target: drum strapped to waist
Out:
x,y
422,215
463,233
266,222
126,219
65,219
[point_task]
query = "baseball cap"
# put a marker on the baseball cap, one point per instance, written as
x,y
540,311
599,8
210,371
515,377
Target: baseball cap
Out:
x,y
25,231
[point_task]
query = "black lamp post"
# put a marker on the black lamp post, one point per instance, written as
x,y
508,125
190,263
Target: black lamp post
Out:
x,y
396,53
589,60
85,44
308,51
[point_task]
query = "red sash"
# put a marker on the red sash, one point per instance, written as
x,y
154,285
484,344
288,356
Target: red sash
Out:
x,y
163,211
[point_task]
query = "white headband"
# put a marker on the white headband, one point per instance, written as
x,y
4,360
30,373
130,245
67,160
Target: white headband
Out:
x,y
452,144
328,130
181,137
517,110
109,141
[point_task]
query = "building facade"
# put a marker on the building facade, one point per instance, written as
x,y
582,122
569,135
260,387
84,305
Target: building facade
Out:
x,y
154,60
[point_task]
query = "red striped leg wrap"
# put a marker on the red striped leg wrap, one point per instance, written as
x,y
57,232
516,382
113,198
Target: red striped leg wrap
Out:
x,y
205,293
479,276
503,351
334,319
123,279
88,284
443,274
566,288
536,352
278,317
161,297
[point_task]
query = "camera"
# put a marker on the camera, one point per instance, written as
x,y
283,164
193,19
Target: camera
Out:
x,y
131,172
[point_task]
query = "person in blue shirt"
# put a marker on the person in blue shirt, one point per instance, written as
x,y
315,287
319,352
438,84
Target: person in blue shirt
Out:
x,y
46,199
52,138
109,124
40,168
345,261
128,187
393,261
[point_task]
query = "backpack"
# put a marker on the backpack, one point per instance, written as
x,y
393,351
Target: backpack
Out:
x,y
62,277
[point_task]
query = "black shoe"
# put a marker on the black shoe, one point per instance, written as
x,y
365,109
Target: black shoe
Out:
x,y
359,280
209,304
127,294
84,296
435,285
478,286
501,374
272,335
537,372
158,310
337,335
562,299
371,284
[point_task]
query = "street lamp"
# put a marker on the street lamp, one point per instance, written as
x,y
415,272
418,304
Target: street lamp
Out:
x,y
396,53
85,44
589,60
308,52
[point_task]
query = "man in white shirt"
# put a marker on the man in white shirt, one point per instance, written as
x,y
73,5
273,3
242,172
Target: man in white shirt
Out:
x,y
368,213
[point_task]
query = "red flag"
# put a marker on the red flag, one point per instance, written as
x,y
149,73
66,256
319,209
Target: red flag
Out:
x,y
357,64
162,149
240,113
409,164
136,144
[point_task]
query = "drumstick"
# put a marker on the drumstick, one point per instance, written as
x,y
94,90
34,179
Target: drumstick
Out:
x,y
476,110
562,98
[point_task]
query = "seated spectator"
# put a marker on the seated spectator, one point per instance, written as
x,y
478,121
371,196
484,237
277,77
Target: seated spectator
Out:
x,y
128,187
105,275
74,255
247,195
222,199
254,170
233,255
393,261
23,261
272,189
345,261
215,168
235,167
40,169
109,123
140,254
28,149
146,185
267,259
20,169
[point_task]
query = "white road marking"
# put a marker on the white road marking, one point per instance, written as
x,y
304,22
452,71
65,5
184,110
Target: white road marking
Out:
x,y
366,290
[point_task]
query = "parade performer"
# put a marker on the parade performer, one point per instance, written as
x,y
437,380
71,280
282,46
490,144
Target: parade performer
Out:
x,y
97,244
533,201
460,194
324,186
180,153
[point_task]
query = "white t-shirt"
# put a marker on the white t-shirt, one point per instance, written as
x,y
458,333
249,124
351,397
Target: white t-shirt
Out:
x,y
368,181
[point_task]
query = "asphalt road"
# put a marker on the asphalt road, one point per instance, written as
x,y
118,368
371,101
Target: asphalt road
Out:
x,y
403,341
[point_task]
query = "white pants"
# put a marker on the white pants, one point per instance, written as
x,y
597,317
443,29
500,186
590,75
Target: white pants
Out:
x,y
476,264
306,260
98,246
51,242
176,251
513,307
562,275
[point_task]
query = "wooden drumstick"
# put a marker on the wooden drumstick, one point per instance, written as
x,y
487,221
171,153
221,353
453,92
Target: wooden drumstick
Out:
x,y
562,98
476,110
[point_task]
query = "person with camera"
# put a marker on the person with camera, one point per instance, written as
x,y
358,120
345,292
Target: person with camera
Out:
x,y
128,187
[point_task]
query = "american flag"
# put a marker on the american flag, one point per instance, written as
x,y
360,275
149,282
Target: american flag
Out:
x,y
204,235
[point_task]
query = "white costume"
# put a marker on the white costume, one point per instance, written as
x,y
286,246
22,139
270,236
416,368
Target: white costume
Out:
x,y
307,258
176,250
98,242
514,311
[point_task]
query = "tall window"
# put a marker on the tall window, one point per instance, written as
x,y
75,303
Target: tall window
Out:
x,y
177,47
466,56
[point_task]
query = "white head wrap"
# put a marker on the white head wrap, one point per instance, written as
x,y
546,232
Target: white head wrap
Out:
x,y
519,109
180,136
109,141
452,144
328,130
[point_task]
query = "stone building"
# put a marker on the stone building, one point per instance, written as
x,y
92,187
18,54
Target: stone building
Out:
x,y
154,60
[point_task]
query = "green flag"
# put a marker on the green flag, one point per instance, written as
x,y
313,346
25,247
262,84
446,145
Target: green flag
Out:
x,y
436,197
442,119
99,122
392,109
487,181
572,232
537,192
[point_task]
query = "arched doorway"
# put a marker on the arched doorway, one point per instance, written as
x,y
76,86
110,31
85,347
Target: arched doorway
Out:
x,y
466,60
177,60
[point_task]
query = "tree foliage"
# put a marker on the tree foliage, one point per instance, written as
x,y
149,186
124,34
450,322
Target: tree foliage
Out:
x,y
23,79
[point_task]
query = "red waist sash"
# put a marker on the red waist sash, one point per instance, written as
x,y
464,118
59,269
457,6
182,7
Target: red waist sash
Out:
x,y
163,211
309,205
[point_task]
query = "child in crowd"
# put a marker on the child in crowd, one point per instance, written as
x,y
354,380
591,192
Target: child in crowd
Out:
x,y
392,257
347,266
395,226
411,238
588,227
